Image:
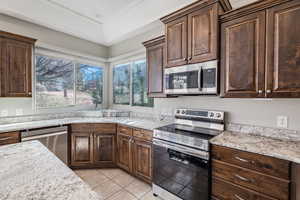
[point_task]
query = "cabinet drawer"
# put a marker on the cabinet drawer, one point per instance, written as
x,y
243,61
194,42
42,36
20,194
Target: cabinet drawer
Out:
x,y
264,164
9,138
224,190
272,186
125,130
143,134
104,128
81,127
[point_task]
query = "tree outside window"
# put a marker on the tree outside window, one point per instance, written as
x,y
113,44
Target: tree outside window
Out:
x,y
121,84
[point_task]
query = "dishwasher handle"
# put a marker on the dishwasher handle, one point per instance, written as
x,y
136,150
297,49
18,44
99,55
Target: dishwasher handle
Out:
x,y
35,137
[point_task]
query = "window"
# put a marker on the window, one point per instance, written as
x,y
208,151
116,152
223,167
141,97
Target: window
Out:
x,y
54,82
139,85
121,84
58,84
131,79
89,85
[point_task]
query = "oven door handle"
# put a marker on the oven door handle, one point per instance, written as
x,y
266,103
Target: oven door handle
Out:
x,y
200,79
182,149
43,136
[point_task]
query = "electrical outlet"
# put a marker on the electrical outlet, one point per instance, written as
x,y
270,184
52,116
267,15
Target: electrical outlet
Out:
x,y
4,113
282,121
19,111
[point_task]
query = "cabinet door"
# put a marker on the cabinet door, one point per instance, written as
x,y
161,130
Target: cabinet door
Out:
x,y
203,34
104,150
243,56
142,160
124,152
16,66
81,149
155,70
176,42
283,55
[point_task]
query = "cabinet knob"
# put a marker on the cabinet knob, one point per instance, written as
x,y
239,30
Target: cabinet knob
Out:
x,y
260,91
184,59
190,58
269,91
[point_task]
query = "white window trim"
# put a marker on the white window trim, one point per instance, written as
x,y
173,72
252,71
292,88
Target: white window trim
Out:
x,y
75,60
130,61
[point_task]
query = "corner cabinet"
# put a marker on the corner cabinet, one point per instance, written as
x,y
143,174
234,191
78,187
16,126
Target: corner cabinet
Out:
x,y
265,62
155,65
16,65
192,33
135,152
93,145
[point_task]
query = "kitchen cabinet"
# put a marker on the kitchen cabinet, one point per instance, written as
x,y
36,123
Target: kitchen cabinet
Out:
x,y
93,145
192,33
264,62
16,65
243,175
135,152
155,66
10,138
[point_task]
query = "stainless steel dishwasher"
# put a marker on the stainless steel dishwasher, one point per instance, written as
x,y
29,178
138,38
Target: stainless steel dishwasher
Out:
x,y
54,138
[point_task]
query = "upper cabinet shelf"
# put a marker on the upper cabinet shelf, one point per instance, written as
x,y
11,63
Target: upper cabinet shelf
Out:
x,y
16,65
260,50
192,33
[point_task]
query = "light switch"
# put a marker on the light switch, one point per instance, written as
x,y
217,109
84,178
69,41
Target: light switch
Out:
x,y
282,121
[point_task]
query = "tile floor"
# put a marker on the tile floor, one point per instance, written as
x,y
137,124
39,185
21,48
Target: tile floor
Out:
x,y
115,184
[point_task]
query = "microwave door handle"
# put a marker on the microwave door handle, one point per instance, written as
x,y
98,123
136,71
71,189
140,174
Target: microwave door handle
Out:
x,y
200,78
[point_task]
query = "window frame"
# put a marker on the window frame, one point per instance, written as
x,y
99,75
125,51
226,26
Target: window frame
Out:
x,y
76,62
131,62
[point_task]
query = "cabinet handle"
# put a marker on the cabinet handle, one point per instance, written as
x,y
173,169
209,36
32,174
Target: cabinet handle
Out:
x,y
6,138
269,91
243,178
238,197
190,58
260,91
184,59
243,160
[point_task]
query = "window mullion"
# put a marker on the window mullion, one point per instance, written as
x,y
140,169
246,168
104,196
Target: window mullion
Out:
x,y
74,84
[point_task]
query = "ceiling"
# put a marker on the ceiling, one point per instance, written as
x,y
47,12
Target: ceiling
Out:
x,y
105,22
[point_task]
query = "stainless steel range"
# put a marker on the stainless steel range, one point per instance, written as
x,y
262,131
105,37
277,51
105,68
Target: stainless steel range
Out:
x,y
181,155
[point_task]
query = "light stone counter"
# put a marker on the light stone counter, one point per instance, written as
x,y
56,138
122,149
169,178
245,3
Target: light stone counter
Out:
x,y
278,148
134,122
29,171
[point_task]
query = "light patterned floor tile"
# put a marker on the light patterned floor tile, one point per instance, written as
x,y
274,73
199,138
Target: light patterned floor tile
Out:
x,y
123,179
93,178
111,173
107,189
122,195
138,188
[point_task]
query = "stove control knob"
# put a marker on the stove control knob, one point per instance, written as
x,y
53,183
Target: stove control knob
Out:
x,y
218,115
178,111
183,112
211,115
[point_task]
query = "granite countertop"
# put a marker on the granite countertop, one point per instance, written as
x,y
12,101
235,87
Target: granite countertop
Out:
x,y
277,148
29,170
134,122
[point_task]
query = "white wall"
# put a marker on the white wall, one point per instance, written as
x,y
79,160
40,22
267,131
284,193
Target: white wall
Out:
x,y
49,37
244,111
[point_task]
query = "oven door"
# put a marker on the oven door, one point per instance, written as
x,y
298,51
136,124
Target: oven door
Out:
x,y
183,80
182,171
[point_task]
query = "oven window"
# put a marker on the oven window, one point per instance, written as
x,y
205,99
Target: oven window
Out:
x,y
181,174
183,80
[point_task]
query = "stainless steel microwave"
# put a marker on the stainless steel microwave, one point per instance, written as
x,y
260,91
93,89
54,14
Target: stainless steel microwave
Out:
x,y
200,78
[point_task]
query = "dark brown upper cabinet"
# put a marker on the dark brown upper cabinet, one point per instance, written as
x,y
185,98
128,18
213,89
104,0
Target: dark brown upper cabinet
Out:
x,y
242,60
155,66
283,44
16,65
260,50
192,33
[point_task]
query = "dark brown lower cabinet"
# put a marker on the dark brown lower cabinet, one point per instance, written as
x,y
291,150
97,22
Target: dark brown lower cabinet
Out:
x,y
81,148
125,152
9,138
93,145
104,149
142,159
135,152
